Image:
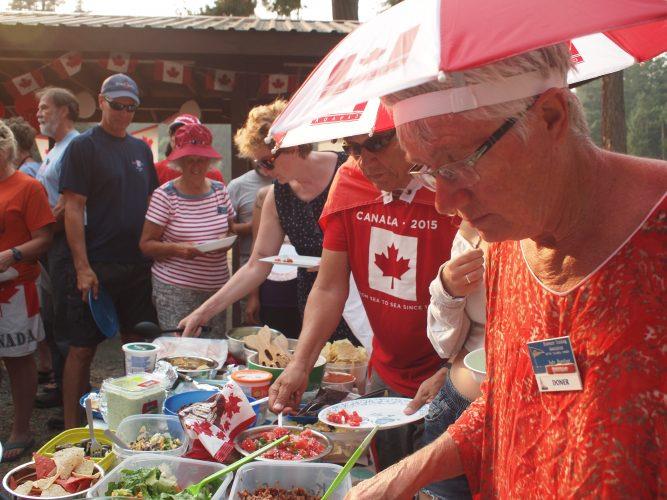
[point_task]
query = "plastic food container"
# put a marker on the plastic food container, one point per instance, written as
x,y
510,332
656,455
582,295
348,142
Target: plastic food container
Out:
x,y
254,383
313,477
27,472
186,470
76,435
140,357
131,395
129,428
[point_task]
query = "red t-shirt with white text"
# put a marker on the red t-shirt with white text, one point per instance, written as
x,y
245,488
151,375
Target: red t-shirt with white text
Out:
x,y
394,252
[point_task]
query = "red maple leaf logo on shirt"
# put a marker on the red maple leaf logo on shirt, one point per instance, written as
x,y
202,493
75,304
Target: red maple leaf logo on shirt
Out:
x,y
391,265
172,72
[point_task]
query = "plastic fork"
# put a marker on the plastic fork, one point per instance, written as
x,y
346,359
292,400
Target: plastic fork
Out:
x,y
196,488
95,446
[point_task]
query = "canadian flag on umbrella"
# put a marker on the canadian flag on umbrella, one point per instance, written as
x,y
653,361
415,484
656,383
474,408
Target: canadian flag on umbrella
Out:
x,y
172,72
278,83
220,80
68,64
25,84
119,62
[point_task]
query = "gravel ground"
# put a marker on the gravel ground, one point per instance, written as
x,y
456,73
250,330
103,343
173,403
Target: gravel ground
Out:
x,y
109,362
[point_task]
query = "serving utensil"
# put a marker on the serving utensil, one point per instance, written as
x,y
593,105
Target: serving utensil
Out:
x,y
349,464
114,437
196,488
95,446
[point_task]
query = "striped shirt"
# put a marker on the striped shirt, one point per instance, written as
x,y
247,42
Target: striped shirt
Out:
x,y
197,219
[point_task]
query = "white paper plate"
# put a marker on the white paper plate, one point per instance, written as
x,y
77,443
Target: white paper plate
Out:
x,y
386,413
211,246
293,260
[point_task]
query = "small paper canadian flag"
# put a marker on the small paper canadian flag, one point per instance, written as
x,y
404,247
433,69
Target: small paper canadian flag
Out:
x,y
278,83
172,72
68,64
220,80
119,62
25,84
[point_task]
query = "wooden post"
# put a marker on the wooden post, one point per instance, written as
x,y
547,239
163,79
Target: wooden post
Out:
x,y
614,134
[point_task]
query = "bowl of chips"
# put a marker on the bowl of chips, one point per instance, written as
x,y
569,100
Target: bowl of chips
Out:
x,y
314,379
343,357
67,474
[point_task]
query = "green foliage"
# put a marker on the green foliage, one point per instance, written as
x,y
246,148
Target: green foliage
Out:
x,y
242,8
282,7
44,5
645,91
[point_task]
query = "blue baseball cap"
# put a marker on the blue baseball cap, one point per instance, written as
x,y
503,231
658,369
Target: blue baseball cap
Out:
x,y
120,85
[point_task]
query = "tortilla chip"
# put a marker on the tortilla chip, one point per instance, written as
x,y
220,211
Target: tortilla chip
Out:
x,y
24,489
343,351
67,460
84,469
55,490
45,483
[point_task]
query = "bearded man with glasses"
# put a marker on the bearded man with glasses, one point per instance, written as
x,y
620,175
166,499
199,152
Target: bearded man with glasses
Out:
x,y
106,179
382,226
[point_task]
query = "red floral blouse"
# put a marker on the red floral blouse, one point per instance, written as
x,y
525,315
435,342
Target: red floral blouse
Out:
x,y
607,441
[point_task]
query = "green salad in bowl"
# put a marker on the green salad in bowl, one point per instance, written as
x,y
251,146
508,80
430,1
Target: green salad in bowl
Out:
x,y
155,483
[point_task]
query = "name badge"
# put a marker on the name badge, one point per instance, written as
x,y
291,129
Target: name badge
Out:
x,y
554,365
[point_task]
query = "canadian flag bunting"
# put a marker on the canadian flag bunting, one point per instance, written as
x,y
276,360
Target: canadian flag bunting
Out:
x,y
68,64
220,80
119,62
172,72
25,84
278,83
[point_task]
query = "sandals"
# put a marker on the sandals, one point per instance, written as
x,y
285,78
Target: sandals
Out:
x,y
24,446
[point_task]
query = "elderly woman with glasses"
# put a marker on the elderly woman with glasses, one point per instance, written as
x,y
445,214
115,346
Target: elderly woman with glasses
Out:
x,y
292,207
184,212
574,403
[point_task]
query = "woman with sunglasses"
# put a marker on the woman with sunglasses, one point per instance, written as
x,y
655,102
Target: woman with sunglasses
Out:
x,y
292,208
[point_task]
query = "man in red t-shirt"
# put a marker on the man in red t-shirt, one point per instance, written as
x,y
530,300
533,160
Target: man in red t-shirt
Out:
x,y
164,171
384,228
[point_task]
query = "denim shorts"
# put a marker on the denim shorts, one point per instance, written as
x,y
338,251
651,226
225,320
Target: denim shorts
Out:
x,y
444,410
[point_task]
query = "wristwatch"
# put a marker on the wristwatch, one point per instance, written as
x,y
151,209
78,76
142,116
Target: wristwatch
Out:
x,y
17,254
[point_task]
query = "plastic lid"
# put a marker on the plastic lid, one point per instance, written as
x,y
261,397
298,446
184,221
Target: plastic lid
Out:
x,y
251,376
137,383
140,347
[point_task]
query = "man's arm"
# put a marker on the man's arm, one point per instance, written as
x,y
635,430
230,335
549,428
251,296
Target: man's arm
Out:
x,y
324,309
243,228
75,205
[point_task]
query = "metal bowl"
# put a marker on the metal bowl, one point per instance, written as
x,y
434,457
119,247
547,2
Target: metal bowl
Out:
x,y
235,342
26,472
251,433
209,372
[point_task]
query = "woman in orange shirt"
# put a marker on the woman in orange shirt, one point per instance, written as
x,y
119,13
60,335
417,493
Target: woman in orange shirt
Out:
x,y
26,225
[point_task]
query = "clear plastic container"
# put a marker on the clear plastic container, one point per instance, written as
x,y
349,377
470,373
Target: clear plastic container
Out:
x,y
313,477
186,470
130,426
131,395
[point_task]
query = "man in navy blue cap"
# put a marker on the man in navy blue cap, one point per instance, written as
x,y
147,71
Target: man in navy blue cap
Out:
x,y
106,180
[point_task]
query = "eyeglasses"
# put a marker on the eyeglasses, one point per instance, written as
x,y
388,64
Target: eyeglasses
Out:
x,y
118,106
268,163
373,144
460,174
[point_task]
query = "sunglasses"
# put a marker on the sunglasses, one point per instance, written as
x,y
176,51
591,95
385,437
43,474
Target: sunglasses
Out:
x,y
373,144
268,163
118,106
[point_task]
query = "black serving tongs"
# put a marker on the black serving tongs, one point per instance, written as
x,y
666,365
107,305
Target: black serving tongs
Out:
x,y
328,397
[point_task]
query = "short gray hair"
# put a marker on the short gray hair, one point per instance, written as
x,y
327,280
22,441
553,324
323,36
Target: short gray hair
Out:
x,y
62,97
554,59
7,141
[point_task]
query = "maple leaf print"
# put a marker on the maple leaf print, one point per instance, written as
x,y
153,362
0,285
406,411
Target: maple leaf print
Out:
x,y
391,265
232,405
224,79
172,72
25,82
375,54
202,428
278,83
73,61
118,60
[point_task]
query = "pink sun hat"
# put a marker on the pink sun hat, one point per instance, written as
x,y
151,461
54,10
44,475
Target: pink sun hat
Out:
x,y
193,140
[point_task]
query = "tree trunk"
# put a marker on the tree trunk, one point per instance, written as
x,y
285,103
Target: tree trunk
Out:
x,y
614,133
345,9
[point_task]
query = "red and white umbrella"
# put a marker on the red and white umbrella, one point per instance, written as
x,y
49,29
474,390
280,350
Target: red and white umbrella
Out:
x,y
419,40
